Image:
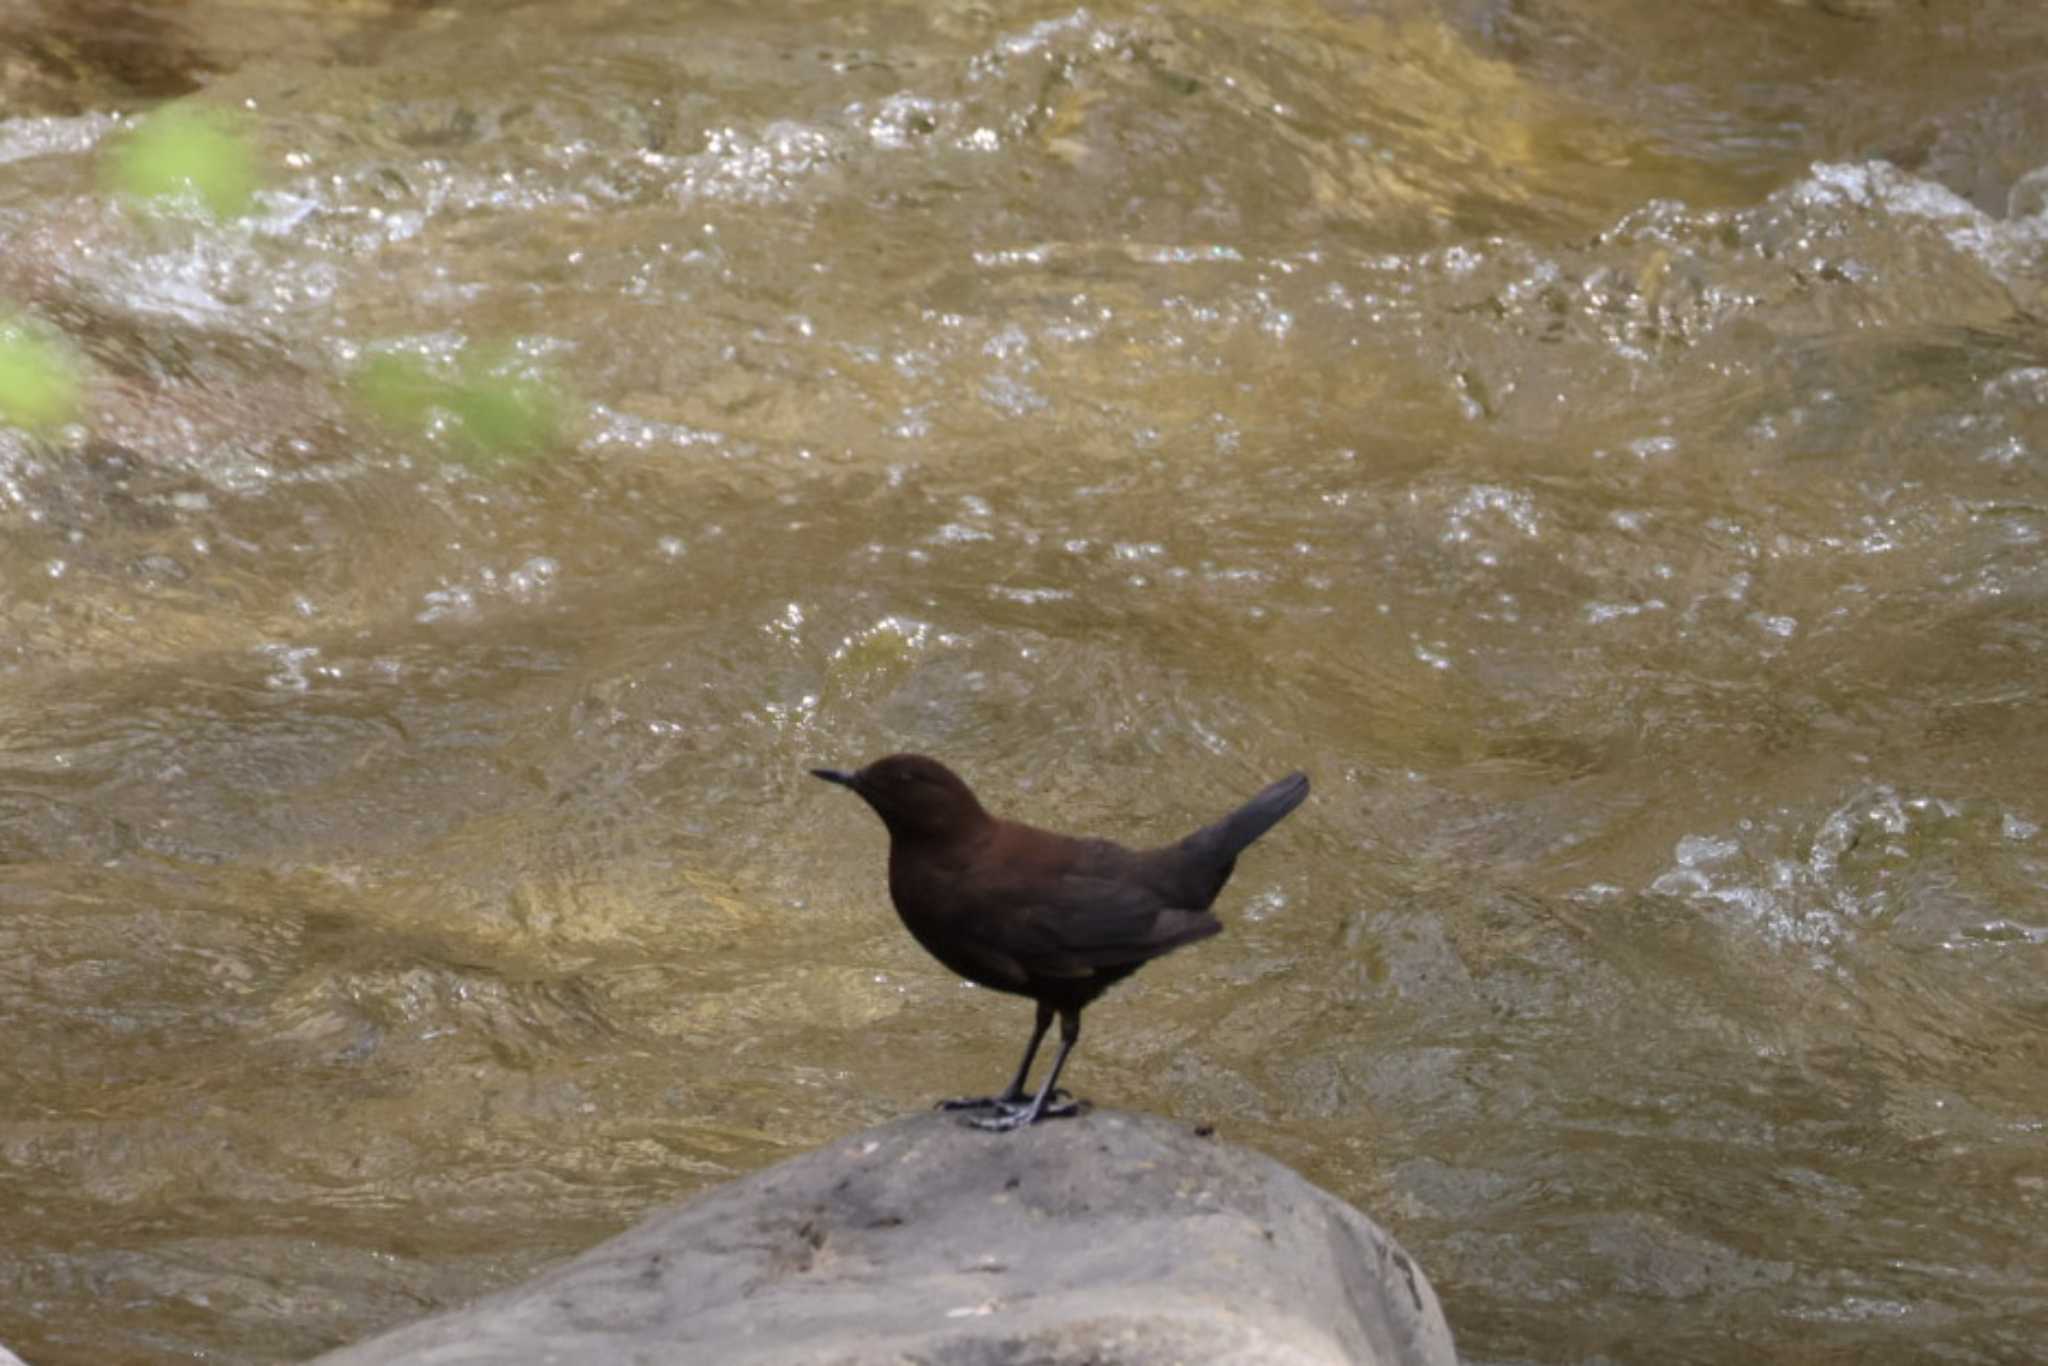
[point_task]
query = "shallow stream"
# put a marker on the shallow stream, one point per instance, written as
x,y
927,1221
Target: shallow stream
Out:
x,y
1605,444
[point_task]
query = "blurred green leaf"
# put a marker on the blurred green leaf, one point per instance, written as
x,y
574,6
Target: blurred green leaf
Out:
x,y
39,381
398,388
180,150
499,408
505,410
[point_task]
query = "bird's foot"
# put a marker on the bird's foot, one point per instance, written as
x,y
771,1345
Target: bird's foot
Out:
x,y
1014,1116
1015,1100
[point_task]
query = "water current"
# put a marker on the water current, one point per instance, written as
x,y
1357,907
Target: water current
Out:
x,y
1604,444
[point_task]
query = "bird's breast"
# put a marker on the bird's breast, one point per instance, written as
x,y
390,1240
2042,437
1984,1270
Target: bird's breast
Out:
x,y
946,899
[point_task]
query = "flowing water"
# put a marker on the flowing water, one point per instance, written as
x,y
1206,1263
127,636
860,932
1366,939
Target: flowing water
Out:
x,y
1604,444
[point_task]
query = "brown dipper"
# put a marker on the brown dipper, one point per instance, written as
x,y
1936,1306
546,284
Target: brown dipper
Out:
x,y
1054,917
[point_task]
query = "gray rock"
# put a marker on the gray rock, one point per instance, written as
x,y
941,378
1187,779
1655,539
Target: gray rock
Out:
x,y
1112,1238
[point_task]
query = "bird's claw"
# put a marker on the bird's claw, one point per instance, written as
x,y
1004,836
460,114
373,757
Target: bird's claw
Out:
x,y
1010,1115
1005,1119
1011,1102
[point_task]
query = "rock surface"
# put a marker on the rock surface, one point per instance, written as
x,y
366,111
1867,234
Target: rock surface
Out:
x,y
1111,1238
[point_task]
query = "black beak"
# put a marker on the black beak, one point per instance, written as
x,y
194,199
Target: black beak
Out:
x,y
835,775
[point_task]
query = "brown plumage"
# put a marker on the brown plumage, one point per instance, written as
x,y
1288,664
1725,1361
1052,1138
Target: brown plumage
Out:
x,y
1054,917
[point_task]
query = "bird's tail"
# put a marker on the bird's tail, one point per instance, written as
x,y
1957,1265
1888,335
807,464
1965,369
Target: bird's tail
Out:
x,y
1223,841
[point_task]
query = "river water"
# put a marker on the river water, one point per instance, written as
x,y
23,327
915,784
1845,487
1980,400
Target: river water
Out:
x,y
1604,444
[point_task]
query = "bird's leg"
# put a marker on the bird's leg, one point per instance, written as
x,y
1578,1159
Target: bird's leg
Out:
x,y
1014,1093
1046,1104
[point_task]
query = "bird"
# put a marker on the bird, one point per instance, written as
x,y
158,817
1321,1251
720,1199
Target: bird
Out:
x,y
1057,918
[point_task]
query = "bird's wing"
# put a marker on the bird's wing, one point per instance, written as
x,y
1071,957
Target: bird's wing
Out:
x,y
1077,924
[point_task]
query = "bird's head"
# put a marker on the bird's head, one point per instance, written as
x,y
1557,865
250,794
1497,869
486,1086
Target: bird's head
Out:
x,y
917,797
